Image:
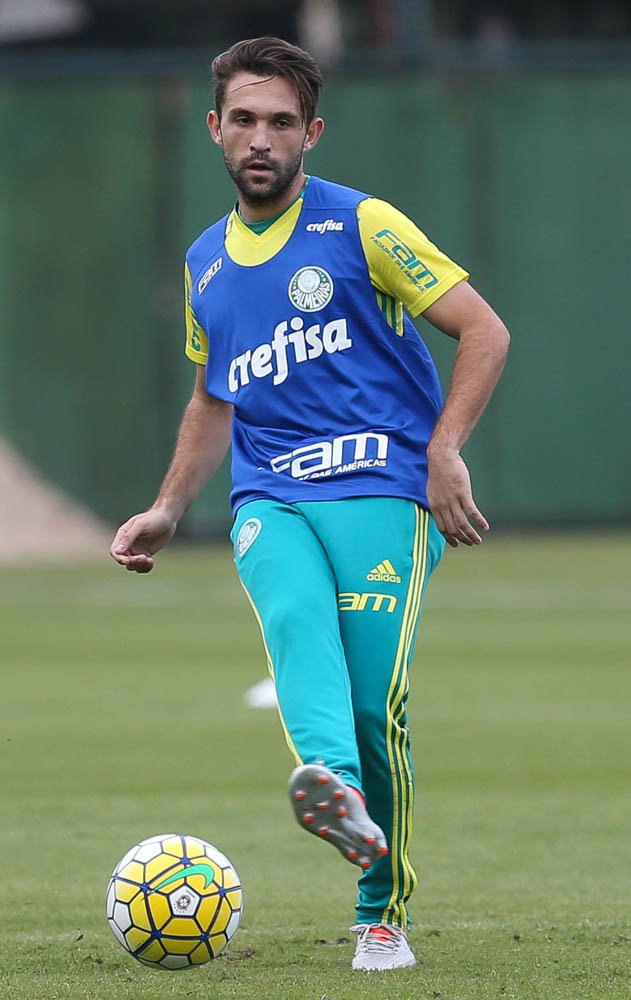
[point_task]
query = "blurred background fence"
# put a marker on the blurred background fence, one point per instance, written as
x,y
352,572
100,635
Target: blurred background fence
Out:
x,y
515,162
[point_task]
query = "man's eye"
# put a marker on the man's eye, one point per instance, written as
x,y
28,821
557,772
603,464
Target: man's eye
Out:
x,y
282,123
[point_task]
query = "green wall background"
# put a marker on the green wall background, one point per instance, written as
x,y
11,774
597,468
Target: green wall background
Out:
x,y
524,179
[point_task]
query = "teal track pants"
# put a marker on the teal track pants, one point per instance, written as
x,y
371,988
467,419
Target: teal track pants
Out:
x,y
336,587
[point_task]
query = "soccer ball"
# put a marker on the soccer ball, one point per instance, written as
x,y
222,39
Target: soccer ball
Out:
x,y
174,901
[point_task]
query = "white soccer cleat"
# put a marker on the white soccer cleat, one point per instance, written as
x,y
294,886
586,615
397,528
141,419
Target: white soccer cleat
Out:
x,y
328,808
380,947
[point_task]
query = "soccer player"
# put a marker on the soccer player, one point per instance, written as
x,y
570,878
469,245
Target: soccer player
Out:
x,y
346,466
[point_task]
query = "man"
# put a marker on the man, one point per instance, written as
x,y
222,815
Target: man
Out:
x,y
307,361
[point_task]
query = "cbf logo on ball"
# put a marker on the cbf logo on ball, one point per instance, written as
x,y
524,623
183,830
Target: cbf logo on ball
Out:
x,y
311,288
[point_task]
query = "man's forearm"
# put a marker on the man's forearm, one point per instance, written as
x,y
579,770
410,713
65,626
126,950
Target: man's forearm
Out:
x,y
479,362
202,443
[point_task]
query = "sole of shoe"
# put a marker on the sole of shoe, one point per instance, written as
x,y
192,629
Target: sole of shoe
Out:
x,y
327,808
389,967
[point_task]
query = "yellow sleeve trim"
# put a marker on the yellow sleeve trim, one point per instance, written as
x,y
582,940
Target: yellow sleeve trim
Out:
x,y
403,263
196,347
196,356
447,281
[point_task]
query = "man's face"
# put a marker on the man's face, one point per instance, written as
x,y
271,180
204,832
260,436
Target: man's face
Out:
x,y
262,135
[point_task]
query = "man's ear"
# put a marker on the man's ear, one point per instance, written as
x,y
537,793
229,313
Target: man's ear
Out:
x,y
214,127
314,132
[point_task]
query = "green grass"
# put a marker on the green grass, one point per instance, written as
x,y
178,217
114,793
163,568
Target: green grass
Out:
x,y
121,716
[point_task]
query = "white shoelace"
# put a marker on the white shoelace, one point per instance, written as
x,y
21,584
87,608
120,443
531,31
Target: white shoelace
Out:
x,y
377,939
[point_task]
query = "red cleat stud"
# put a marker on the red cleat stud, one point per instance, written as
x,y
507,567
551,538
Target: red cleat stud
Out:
x,y
339,794
342,812
300,795
323,831
365,864
352,855
322,806
308,818
383,851
369,840
324,779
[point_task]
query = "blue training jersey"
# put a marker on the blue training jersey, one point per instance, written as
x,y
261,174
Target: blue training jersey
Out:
x,y
329,401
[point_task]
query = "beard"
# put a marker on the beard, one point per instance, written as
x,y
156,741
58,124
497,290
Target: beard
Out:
x,y
271,186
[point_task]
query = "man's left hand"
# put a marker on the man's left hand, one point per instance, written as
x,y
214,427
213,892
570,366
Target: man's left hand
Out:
x,y
451,499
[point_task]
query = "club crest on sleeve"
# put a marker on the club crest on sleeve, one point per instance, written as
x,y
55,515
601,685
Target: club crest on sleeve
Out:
x,y
248,533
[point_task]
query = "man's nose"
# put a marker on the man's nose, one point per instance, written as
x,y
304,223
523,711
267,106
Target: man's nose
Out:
x,y
259,140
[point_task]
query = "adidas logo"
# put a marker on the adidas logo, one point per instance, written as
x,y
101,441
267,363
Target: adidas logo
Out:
x,y
384,573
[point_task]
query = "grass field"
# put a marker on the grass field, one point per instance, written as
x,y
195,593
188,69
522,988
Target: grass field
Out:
x,y
122,716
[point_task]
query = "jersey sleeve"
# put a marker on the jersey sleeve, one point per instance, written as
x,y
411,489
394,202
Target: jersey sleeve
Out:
x,y
402,261
196,340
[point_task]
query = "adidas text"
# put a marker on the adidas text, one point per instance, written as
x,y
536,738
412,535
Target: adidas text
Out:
x,y
384,572
290,342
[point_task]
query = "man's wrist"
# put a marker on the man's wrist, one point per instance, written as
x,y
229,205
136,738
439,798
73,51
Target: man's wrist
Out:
x,y
441,449
169,506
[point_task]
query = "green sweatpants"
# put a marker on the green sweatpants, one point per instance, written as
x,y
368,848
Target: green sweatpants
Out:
x,y
336,587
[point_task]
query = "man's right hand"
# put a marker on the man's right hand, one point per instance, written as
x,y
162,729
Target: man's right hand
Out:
x,y
140,538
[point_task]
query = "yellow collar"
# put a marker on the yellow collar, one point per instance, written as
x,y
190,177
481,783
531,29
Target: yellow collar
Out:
x,y
249,249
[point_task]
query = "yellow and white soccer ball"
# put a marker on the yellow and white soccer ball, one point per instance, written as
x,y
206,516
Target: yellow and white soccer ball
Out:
x,y
174,901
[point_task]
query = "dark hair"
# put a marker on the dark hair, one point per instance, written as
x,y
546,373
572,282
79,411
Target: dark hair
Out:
x,y
269,56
